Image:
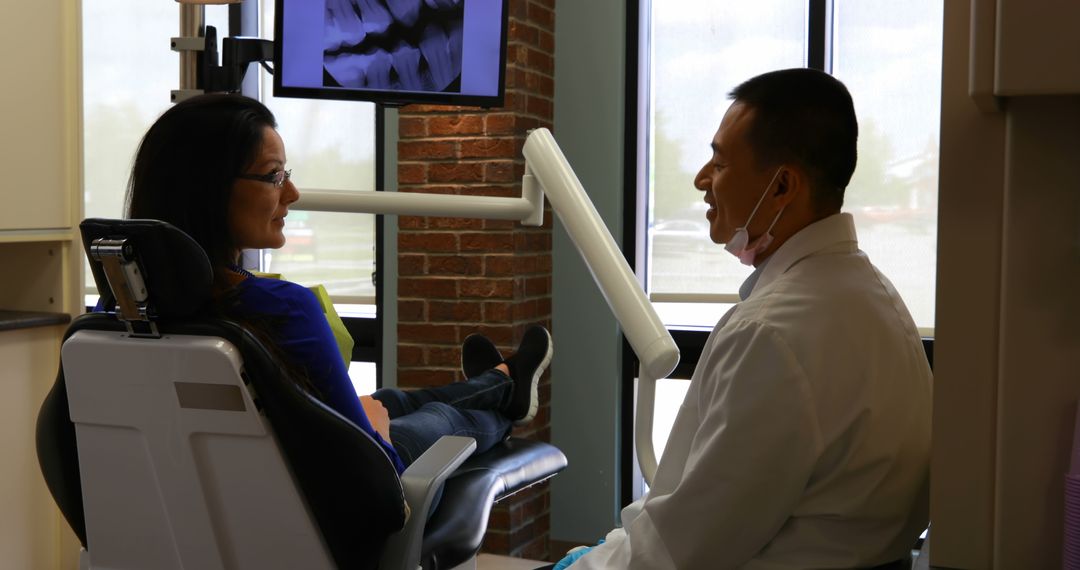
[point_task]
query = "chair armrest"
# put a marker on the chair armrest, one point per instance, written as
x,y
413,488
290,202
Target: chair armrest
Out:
x,y
420,482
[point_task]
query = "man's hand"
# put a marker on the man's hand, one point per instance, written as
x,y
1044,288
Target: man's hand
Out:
x,y
377,415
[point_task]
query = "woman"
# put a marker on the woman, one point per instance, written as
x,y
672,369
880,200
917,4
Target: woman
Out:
x,y
214,166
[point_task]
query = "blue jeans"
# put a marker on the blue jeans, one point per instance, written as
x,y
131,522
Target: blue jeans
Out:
x,y
418,418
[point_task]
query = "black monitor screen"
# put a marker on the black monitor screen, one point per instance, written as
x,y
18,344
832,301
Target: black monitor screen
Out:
x,y
391,51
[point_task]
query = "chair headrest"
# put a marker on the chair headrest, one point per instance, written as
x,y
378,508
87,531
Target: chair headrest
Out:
x,y
174,267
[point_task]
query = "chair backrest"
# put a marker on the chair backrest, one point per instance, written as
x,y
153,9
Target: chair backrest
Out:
x,y
180,442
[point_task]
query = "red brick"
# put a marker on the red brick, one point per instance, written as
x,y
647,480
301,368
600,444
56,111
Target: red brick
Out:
x,y
427,288
499,190
486,288
501,335
454,312
411,264
411,311
519,9
412,173
411,127
518,30
428,333
412,223
454,265
546,41
426,150
425,377
499,171
497,312
422,108
541,16
496,541
426,242
500,225
487,242
535,286
490,147
410,355
517,55
540,62
500,124
455,172
433,189
451,125
537,549
442,356
539,106
499,265
532,241
499,518
455,223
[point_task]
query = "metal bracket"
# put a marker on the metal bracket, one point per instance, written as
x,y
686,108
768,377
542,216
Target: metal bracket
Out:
x,y
117,258
178,95
188,44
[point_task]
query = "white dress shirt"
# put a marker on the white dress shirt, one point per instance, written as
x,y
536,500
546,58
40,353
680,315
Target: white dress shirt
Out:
x,y
804,438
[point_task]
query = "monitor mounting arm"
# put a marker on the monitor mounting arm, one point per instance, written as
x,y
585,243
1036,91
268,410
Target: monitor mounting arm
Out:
x,y
200,71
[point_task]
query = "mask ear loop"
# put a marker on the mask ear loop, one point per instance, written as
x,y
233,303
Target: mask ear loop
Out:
x,y
762,199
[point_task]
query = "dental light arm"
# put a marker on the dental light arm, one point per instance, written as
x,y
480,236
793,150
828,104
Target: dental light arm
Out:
x,y
548,172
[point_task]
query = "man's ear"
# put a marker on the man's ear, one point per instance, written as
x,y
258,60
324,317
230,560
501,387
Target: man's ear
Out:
x,y
783,181
790,182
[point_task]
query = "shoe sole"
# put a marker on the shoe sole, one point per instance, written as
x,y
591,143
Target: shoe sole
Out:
x,y
534,394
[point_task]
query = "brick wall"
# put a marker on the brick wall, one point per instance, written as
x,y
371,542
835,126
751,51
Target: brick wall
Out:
x,y
459,276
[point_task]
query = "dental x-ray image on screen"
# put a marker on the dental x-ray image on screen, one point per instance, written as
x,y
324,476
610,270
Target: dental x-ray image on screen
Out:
x,y
449,52
411,45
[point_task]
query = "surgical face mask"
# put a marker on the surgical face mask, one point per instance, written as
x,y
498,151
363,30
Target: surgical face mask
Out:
x,y
740,245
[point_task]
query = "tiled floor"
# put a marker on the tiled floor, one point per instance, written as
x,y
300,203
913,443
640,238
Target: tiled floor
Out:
x,y
495,562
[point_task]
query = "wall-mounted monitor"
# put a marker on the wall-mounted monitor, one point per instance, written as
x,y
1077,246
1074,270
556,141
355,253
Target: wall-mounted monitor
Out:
x,y
391,51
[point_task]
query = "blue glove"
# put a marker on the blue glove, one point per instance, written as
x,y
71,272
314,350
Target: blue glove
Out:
x,y
573,555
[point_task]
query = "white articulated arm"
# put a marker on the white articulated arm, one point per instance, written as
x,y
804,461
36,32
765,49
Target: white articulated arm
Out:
x,y
529,210
648,336
548,173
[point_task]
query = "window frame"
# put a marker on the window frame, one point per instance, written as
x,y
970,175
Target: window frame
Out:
x,y
690,340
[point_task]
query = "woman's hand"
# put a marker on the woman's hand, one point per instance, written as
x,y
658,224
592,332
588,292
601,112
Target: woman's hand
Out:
x,y
377,415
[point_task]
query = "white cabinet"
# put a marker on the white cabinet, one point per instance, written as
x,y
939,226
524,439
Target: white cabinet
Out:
x,y
39,116
40,259
32,532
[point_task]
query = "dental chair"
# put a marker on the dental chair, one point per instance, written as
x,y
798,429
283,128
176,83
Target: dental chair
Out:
x,y
172,439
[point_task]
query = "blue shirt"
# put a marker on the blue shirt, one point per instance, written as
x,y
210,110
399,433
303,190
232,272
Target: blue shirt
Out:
x,y
303,334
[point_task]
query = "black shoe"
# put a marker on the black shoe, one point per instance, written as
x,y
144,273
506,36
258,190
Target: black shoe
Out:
x,y
478,355
526,366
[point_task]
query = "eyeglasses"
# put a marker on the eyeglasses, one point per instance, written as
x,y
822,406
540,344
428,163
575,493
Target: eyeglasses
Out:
x,y
277,177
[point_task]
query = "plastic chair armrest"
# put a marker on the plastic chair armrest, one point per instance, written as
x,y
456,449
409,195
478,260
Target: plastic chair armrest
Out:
x,y
420,482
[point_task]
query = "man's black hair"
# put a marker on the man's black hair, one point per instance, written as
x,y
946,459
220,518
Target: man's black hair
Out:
x,y
804,116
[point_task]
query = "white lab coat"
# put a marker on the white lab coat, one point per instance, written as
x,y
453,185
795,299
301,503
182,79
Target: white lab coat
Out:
x,y
804,438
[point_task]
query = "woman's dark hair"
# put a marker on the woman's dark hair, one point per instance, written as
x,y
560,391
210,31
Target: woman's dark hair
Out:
x,y
183,174
804,116
187,163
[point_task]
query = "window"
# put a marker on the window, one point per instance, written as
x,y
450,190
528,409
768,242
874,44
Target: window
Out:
x,y
129,71
330,146
693,52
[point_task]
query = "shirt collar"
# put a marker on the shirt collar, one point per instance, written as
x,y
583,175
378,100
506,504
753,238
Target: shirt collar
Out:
x,y
748,285
835,233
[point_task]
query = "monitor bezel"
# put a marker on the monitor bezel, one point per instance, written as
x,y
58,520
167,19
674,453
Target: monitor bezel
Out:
x,y
390,98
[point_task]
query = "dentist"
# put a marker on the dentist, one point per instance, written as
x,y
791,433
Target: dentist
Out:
x,y
804,438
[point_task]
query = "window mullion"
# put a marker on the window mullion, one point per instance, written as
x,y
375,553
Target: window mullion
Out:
x,y
819,35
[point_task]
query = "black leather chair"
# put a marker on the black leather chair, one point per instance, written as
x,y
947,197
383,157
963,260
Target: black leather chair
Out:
x,y
173,439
